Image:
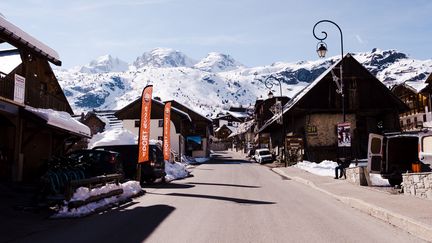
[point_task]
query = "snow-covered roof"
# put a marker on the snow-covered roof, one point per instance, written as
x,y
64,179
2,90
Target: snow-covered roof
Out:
x,y
231,128
61,119
175,109
242,128
9,60
415,86
238,114
187,107
22,37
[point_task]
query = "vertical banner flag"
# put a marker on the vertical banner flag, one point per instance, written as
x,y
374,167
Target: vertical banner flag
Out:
x,y
144,130
166,132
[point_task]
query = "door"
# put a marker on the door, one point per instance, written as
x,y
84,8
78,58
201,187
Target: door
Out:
x,y
425,153
375,153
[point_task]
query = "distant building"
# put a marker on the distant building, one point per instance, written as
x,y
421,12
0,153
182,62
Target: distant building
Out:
x,y
416,97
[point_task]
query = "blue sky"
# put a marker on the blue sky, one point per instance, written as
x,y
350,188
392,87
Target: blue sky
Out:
x,y
253,32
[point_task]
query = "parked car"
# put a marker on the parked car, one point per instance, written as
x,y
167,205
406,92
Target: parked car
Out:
x,y
394,153
150,172
263,156
97,162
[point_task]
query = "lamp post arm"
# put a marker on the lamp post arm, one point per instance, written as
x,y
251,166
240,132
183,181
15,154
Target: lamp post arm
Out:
x,y
325,33
269,83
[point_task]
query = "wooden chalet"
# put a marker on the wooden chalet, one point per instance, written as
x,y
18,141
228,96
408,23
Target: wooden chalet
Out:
x,y
265,110
93,121
35,121
130,115
313,114
223,132
417,98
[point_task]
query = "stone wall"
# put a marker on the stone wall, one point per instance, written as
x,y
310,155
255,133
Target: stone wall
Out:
x,y
356,175
418,184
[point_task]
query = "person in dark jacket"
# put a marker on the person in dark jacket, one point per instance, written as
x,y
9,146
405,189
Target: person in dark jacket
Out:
x,y
343,163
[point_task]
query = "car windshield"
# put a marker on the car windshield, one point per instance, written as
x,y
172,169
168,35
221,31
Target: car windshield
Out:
x,y
264,152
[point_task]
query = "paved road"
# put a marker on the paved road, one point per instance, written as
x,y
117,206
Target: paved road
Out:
x,y
228,201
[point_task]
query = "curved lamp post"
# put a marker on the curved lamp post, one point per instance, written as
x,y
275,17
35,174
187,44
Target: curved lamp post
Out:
x,y
322,50
269,83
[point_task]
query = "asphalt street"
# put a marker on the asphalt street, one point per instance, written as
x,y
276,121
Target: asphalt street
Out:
x,y
228,200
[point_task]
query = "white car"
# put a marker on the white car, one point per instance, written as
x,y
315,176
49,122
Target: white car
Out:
x,y
263,155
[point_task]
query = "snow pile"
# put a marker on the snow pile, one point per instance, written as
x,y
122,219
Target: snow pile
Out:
x,y
327,168
130,188
113,137
192,160
201,159
175,171
83,193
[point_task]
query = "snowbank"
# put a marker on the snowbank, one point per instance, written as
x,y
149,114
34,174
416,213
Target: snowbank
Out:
x,y
113,136
192,160
175,171
327,168
130,188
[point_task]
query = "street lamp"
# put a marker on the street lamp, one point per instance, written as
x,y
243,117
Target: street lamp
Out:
x,y
322,49
269,82
270,94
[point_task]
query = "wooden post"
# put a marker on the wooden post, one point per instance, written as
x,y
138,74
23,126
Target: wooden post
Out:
x,y
138,173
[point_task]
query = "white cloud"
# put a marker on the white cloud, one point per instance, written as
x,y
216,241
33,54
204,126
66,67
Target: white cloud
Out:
x,y
359,39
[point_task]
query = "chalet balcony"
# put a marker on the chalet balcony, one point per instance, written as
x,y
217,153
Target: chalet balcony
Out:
x,y
6,87
33,97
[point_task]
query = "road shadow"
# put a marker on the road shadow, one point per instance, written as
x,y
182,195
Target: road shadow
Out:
x,y
122,225
169,186
221,184
229,199
228,160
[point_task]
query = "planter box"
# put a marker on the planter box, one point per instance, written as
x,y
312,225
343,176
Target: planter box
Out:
x,y
356,175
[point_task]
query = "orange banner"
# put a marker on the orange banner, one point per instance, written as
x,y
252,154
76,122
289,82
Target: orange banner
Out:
x,y
144,130
166,132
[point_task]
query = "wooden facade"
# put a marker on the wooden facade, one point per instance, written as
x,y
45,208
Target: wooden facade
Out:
x,y
313,114
26,140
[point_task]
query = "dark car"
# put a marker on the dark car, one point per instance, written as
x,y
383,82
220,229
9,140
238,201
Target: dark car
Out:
x,y
97,162
150,172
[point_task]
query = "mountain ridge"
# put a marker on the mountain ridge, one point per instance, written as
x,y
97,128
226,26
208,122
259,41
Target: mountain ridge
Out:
x,y
217,81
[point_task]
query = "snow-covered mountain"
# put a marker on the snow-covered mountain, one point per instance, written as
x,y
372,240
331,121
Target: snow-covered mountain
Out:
x,y
163,57
218,62
217,81
105,64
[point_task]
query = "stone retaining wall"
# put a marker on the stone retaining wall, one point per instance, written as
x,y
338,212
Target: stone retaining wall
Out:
x,y
355,175
418,184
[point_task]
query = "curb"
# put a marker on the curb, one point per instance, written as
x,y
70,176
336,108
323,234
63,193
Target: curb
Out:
x,y
409,225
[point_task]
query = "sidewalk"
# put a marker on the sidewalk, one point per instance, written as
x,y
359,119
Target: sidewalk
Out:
x,y
411,214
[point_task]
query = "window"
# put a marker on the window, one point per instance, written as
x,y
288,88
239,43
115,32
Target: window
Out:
x,y
43,89
424,118
427,144
160,123
137,123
